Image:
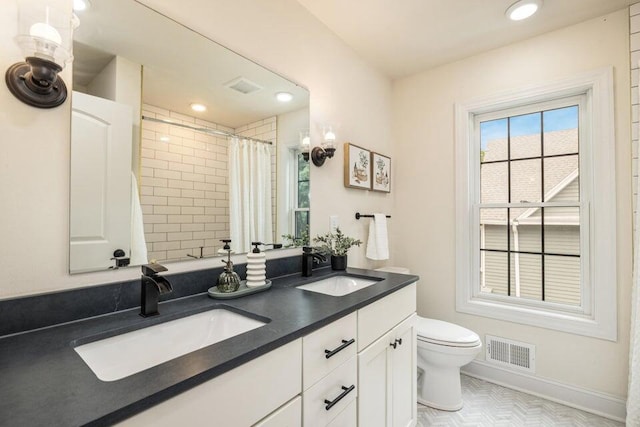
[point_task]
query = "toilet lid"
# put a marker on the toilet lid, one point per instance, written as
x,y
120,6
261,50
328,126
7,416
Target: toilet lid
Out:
x,y
445,333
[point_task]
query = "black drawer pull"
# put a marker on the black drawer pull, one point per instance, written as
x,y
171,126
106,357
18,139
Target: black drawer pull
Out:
x,y
396,343
346,390
345,344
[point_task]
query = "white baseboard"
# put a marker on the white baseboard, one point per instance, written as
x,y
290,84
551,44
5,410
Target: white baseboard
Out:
x,y
602,404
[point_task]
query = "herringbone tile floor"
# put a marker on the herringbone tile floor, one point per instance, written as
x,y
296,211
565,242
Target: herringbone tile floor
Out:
x,y
487,404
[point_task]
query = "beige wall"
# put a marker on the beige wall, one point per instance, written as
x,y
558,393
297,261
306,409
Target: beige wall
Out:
x,y
279,34
634,46
423,117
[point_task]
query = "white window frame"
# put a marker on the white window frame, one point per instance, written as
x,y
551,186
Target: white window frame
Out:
x,y
597,315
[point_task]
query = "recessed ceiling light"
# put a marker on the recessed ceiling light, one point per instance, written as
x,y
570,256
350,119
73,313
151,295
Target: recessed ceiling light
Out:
x,y
523,9
198,107
164,138
284,96
80,5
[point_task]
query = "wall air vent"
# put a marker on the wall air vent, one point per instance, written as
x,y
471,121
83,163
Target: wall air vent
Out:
x,y
243,85
511,354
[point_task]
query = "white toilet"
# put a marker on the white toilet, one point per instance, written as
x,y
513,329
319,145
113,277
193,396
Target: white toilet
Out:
x,y
443,348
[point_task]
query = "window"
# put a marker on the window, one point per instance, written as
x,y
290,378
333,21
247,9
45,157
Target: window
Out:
x,y
301,209
535,207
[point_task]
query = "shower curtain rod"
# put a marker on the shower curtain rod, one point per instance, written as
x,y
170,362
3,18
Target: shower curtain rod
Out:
x,y
205,130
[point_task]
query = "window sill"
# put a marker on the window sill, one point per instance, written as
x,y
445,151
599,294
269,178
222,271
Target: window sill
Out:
x,y
573,323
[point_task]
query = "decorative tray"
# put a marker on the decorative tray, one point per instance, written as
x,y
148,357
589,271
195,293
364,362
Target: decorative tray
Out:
x,y
242,290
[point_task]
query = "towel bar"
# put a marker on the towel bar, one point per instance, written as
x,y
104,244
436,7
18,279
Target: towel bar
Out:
x,y
359,215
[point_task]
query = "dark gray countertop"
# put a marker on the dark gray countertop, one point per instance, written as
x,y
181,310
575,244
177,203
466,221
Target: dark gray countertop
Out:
x,y
43,381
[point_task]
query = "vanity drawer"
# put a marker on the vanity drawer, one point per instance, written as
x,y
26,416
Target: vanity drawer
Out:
x,y
380,317
289,415
336,391
346,418
327,348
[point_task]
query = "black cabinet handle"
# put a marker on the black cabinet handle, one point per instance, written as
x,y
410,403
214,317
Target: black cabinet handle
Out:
x,y
396,343
345,391
345,344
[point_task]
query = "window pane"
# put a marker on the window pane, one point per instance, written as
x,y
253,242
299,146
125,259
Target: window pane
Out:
x,y
562,230
302,223
303,194
561,131
526,276
303,169
562,279
493,140
525,181
494,186
526,234
561,180
493,266
525,136
493,229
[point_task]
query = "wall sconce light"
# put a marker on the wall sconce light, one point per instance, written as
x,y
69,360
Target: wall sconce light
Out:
x,y
305,144
45,37
327,149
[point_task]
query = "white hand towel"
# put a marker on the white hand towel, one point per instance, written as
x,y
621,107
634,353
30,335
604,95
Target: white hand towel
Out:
x,y
378,243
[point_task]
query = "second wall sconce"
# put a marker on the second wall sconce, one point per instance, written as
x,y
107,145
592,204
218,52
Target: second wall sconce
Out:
x,y
44,35
305,143
327,149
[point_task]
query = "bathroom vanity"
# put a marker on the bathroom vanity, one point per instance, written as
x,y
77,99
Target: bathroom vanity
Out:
x,y
318,360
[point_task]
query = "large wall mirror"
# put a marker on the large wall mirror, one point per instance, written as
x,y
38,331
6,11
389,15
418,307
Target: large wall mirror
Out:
x,y
153,176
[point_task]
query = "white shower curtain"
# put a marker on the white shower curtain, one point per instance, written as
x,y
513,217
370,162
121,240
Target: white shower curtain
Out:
x,y
249,193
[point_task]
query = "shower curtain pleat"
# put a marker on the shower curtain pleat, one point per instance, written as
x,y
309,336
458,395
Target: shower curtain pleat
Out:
x,y
250,214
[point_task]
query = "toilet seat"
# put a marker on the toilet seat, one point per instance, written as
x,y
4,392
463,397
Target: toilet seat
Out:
x,y
444,333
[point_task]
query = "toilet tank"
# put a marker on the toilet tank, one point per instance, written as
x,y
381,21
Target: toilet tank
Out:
x,y
398,270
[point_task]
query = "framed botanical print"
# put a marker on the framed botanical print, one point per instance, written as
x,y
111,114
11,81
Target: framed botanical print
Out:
x,y
380,172
357,169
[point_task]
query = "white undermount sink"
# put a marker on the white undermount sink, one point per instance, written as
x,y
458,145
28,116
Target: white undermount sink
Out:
x,y
122,355
338,286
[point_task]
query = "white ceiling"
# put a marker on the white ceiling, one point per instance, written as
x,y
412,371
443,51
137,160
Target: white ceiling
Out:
x,y
180,66
403,37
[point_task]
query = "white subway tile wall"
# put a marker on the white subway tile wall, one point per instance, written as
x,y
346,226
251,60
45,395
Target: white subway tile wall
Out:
x,y
184,189
634,46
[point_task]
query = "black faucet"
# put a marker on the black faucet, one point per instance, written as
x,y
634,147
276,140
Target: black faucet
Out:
x,y
152,287
309,257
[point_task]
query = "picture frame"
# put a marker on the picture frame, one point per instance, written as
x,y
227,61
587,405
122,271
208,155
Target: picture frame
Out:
x,y
357,167
380,172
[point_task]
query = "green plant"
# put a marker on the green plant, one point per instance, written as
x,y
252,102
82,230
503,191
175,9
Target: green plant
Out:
x,y
302,240
336,244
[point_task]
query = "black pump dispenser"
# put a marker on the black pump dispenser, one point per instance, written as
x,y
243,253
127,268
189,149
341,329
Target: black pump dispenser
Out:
x,y
256,250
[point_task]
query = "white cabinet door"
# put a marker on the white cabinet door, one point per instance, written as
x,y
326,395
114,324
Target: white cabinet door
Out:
x,y
100,215
373,372
387,379
404,375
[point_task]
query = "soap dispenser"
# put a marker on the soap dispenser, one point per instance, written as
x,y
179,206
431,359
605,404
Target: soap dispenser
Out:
x,y
256,267
229,281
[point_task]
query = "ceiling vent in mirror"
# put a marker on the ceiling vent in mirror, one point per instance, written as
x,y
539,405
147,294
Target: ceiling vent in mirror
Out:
x,y
243,85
